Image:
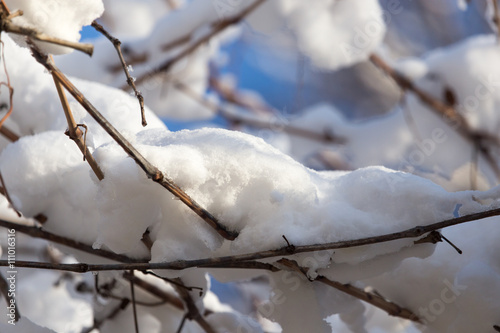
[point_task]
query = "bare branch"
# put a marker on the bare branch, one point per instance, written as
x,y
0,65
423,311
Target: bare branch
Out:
x,y
376,300
134,307
7,84
241,260
5,192
130,80
9,134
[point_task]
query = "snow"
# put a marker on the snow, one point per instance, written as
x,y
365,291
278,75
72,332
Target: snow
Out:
x,y
62,18
405,168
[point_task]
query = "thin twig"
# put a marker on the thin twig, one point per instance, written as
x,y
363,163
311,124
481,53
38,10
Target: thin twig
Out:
x,y
181,325
75,133
253,121
132,293
219,26
130,80
5,192
448,112
7,84
153,172
376,300
242,260
192,310
8,26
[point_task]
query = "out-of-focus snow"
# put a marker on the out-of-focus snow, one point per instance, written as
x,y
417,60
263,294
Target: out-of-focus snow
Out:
x,y
62,18
333,34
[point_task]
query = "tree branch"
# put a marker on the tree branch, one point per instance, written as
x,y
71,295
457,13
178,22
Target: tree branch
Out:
x,y
376,300
241,260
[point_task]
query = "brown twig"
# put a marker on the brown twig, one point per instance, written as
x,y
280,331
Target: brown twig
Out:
x,y
75,133
246,260
9,297
9,134
260,123
130,80
134,307
98,323
447,111
236,98
374,299
436,105
4,8
191,308
218,27
153,172
7,84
